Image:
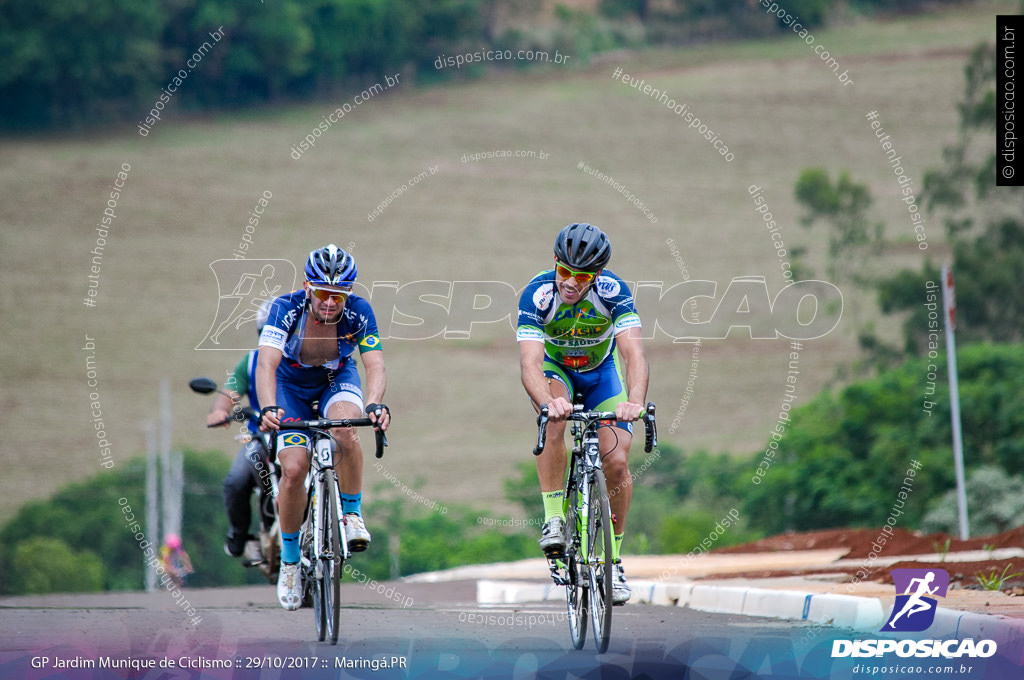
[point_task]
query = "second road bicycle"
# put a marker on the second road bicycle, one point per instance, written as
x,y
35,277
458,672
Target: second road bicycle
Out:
x,y
585,567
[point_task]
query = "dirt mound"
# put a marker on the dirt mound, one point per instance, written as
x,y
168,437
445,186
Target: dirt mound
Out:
x,y
965,574
862,542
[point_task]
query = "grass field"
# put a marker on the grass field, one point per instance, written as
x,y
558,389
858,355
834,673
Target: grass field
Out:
x,y
461,418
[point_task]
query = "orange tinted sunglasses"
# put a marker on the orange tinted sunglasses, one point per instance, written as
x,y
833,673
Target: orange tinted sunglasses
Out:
x,y
582,278
325,294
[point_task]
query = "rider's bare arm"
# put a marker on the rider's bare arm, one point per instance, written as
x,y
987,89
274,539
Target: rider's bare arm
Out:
x,y
531,365
266,384
376,383
222,407
631,349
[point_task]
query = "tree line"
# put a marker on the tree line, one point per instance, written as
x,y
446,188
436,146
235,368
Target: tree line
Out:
x,y
69,64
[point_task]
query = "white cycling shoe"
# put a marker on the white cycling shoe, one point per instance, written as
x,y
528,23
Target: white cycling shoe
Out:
x,y
355,533
289,586
620,589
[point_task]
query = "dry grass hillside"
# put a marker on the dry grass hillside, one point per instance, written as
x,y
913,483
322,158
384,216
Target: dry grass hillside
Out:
x,y
461,419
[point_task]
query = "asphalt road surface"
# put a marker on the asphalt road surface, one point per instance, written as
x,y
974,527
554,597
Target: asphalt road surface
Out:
x,y
440,632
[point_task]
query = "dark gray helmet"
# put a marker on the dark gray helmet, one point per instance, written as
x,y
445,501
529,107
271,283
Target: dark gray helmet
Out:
x,y
583,246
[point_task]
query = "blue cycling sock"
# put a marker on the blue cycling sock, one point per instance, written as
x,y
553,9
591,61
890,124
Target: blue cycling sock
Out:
x,y
352,504
290,547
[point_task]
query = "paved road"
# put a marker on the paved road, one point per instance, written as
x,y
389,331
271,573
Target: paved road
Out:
x,y
441,632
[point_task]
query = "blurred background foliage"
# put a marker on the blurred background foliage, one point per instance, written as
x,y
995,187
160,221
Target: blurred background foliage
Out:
x,y
844,455
74,63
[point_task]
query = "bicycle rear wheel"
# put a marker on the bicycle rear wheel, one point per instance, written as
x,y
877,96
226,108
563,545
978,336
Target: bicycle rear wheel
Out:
x,y
599,560
332,557
576,590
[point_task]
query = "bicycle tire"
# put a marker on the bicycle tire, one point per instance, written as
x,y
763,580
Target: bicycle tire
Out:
x,y
314,575
599,560
331,582
575,591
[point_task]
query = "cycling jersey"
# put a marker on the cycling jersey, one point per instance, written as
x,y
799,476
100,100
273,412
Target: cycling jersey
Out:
x,y
288,318
580,336
243,381
299,385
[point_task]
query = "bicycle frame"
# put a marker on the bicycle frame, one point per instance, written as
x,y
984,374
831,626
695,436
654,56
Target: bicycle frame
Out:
x,y
322,543
321,471
587,507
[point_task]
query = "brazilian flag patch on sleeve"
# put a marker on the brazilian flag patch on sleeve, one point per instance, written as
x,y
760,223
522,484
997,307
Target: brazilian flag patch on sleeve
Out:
x,y
369,342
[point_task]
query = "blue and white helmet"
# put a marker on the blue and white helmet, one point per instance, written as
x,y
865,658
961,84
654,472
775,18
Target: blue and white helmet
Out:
x,y
331,266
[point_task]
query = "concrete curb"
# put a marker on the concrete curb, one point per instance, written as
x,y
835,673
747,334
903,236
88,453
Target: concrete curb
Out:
x,y
844,611
858,613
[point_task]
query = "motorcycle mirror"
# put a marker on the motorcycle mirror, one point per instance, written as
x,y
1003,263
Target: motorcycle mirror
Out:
x,y
202,385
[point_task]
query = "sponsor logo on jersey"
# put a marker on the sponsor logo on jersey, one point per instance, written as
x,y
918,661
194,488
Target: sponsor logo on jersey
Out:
x,y
529,333
543,296
273,336
607,287
576,362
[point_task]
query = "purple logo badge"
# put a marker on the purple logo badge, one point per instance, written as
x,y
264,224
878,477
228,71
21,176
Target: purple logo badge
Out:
x,y
915,607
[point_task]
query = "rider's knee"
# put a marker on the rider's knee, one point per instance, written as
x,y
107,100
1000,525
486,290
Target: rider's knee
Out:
x,y
293,472
616,464
346,437
556,430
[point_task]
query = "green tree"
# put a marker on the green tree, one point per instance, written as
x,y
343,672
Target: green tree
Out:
x,y
65,62
46,565
983,222
853,238
995,503
844,457
88,518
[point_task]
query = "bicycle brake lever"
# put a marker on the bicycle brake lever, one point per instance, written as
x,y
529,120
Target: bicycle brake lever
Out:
x,y
542,427
650,429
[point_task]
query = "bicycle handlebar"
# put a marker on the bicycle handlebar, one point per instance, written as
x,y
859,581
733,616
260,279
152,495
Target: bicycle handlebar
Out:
x,y
579,415
240,414
326,423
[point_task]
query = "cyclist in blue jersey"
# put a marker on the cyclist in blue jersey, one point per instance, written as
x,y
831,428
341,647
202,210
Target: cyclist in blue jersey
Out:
x,y
243,476
579,334
305,358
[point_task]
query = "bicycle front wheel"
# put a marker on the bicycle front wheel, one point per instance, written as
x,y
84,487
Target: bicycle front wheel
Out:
x,y
576,590
311,547
599,560
332,556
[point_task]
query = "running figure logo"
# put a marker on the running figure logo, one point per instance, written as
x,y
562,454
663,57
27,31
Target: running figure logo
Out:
x,y
914,611
242,286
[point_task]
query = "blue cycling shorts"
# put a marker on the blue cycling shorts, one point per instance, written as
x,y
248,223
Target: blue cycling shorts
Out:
x,y
601,388
299,387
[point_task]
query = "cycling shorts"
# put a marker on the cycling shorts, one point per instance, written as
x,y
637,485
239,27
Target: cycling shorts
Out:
x,y
299,387
601,388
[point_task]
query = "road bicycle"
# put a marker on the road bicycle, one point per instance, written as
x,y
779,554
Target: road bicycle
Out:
x,y
585,567
322,535
266,475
